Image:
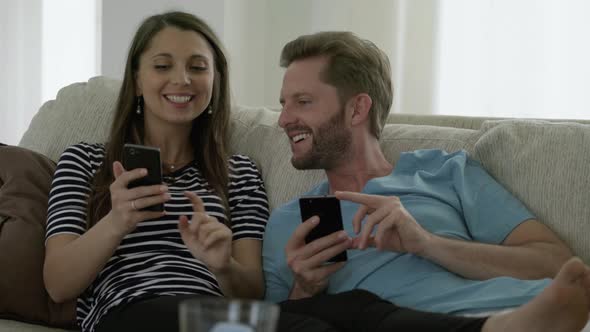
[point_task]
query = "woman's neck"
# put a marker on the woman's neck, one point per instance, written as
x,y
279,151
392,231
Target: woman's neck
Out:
x,y
175,150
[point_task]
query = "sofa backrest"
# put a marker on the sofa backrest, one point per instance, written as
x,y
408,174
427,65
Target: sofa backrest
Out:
x,y
255,132
545,164
81,112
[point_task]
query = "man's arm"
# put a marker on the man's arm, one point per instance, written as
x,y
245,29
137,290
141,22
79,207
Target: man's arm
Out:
x,y
530,251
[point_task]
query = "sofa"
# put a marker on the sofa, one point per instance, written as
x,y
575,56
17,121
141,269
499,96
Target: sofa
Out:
x,y
545,163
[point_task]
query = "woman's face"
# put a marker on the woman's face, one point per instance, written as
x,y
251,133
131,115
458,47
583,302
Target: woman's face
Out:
x,y
175,76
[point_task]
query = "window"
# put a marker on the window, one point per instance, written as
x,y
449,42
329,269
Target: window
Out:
x,y
44,49
506,58
70,44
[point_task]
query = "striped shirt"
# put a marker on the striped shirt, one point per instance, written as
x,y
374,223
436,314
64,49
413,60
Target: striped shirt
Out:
x,y
152,260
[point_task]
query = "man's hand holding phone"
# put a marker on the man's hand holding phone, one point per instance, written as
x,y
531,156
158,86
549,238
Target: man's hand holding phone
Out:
x,y
308,260
327,208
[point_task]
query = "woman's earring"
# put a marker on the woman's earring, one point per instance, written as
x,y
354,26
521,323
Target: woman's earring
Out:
x,y
209,110
139,108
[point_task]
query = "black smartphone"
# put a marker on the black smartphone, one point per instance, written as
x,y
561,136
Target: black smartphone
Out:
x,y
327,208
140,156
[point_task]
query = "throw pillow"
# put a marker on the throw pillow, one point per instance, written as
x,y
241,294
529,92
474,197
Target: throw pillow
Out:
x,y
25,179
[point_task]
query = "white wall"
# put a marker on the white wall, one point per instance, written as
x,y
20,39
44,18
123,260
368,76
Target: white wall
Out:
x,y
51,56
20,65
120,20
526,58
240,24
257,30
46,44
253,31
415,72
246,38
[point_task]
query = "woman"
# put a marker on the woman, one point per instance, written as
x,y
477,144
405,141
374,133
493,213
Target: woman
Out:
x,y
121,261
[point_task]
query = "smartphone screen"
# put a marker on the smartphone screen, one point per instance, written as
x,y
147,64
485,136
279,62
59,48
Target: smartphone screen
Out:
x,y
327,208
140,156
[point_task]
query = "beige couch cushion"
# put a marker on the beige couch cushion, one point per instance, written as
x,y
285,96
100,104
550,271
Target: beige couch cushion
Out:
x,y
398,138
255,133
81,112
15,326
547,166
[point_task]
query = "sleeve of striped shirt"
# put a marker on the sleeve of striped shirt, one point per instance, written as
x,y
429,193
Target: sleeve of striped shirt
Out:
x,y
66,213
247,199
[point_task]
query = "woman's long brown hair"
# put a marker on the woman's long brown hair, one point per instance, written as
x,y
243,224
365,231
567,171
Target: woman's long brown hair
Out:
x,y
209,132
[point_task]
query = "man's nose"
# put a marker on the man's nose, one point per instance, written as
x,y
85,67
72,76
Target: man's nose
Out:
x,y
285,117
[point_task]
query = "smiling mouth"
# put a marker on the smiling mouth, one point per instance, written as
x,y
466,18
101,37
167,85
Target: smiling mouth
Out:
x,y
300,137
179,99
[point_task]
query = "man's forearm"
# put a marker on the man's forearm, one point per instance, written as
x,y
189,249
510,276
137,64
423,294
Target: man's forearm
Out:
x,y
480,261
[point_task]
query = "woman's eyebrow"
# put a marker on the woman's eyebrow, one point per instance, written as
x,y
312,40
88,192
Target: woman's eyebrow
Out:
x,y
192,57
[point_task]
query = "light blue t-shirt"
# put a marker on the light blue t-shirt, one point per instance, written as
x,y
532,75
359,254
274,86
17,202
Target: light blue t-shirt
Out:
x,y
449,195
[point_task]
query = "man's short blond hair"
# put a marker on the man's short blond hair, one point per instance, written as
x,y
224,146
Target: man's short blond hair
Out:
x,y
355,65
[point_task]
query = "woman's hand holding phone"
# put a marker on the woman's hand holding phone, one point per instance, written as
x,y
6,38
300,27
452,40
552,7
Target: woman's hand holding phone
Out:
x,y
147,157
126,204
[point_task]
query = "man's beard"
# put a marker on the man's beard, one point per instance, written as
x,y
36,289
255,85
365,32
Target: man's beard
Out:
x,y
330,146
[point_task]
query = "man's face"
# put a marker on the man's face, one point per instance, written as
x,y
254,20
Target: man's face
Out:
x,y
313,117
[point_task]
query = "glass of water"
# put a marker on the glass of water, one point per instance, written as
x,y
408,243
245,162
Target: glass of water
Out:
x,y
218,314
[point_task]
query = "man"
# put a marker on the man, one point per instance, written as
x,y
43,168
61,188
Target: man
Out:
x,y
434,232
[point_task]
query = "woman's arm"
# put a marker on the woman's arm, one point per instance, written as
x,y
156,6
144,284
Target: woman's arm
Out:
x,y
244,277
237,265
73,261
249,214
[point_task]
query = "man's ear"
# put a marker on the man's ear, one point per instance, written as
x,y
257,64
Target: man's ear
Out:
x,y
361,105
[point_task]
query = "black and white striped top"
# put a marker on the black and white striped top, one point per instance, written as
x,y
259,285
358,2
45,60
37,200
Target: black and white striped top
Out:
x,y
152,260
